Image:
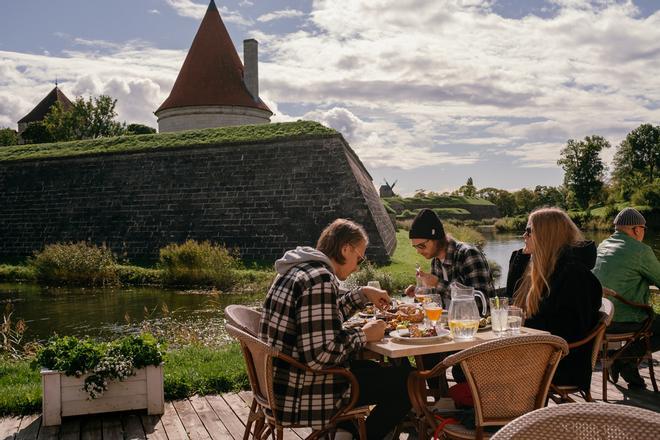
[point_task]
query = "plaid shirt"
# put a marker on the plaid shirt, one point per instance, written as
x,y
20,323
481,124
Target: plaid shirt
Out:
x,y
302,317
463,263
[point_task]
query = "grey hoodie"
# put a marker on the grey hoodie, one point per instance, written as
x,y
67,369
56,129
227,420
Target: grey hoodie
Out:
x,y
301,254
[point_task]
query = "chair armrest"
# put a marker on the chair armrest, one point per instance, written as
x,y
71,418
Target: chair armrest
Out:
x,y
645,307
335,371
598,330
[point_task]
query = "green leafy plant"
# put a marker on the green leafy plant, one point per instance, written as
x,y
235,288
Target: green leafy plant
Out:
x,y
103,362
194,263
75,264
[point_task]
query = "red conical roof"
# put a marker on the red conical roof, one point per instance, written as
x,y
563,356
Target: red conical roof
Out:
x,y
212,73
41,110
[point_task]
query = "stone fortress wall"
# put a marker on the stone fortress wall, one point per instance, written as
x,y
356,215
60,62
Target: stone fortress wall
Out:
x,y
262,198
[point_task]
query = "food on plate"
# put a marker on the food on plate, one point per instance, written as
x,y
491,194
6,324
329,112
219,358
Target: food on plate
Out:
x,y
484,322
421,332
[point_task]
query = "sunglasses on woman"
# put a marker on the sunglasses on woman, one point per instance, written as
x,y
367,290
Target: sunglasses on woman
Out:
x,y
528,231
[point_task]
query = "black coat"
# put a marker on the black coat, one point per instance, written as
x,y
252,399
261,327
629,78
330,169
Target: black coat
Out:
x,y
569,310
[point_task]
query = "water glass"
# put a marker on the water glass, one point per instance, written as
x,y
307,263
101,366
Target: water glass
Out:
x,y
376,285
515,316
499,315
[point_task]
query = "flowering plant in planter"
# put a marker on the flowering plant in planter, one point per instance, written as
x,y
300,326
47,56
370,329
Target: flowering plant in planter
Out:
x,y
103,362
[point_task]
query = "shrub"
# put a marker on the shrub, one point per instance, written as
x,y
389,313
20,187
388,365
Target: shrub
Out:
x,y
75,264
17,273
465,234
647,195
508,224
139,276
368,272
194,263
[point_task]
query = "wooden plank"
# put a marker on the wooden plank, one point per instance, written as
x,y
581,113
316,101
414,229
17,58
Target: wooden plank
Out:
x,y
133,429
155,393
288,434
115,389
9,426
91,428
233,424
104,404
214,426
73,381
29,428
172,424
238,406
153,428
52,403
48,432
70,429
112,429
191,422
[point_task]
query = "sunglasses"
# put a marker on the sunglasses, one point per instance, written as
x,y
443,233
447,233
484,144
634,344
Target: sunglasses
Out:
x,y
361,258
421,245
640,226
528,230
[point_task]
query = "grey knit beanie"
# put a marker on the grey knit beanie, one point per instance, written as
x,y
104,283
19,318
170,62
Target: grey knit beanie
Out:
x,y
629,217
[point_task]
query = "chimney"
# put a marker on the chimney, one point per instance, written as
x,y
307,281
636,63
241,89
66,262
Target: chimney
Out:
x,y
251,63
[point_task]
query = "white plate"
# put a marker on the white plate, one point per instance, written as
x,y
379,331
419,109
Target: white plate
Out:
x,y
442,333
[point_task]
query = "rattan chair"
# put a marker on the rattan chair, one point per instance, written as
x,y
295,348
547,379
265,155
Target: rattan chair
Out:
x,y
247,319
584,421
644,334
561,393
259,362
507,377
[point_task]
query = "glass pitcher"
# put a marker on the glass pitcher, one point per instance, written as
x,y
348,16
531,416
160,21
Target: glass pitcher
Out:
x,y
463,313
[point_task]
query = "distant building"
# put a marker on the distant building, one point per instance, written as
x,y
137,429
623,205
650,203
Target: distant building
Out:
x,y
213,88
38,113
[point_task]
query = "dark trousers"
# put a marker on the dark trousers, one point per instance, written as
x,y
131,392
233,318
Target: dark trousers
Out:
x,y
637,349
387,388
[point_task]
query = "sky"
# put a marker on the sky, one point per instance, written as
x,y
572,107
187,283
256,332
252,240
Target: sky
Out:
x,y
427,92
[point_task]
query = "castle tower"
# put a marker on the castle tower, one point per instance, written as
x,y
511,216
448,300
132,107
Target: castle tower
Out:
x,y
213,88
39,112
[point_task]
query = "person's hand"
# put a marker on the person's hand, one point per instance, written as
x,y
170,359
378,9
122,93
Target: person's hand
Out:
x,y
374,330
378,297
410,290
428,279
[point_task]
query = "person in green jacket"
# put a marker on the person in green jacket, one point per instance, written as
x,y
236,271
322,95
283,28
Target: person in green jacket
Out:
x,y
628,266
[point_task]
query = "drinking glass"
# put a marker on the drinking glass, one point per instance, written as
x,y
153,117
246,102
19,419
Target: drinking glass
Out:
x,y
499,315
433,312
375,284
423,294
514,319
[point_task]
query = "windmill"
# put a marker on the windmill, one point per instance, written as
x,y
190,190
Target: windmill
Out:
x,y
387,190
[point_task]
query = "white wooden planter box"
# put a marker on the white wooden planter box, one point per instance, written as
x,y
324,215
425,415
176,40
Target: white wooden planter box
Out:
x,y
64,395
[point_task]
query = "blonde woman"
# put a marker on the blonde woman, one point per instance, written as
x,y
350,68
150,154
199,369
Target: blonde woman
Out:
x,y
557,290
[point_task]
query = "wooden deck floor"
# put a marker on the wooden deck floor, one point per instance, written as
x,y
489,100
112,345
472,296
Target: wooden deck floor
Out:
x,y
221,417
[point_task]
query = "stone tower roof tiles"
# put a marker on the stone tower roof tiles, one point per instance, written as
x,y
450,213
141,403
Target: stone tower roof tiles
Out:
x,y
41,110
212,73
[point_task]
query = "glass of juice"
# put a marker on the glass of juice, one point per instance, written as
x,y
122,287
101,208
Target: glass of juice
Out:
x,y
498,315
433,312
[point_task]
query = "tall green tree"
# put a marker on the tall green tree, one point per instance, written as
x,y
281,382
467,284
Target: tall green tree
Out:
x,y
637,160
37,133
583,168
8,137
87,119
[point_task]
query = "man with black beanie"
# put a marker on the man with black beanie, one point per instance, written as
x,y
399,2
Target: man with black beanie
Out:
x,y
451,260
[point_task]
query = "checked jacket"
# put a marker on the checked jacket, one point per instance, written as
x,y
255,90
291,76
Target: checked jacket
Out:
x,y
302,317
463,263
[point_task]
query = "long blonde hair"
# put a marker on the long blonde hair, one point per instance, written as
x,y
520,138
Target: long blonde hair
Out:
x,y
552,231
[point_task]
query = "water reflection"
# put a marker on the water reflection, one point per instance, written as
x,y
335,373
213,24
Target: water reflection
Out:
x,y
107,313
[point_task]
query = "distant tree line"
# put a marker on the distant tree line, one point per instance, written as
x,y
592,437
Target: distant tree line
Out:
x,y
87,119
635,177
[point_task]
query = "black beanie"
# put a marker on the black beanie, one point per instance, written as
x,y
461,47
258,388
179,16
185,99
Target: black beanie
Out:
x,y
427,225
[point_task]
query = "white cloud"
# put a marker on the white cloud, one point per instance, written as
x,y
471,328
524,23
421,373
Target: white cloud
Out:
x,y
153,11
138,76
188,8
245,3
277,15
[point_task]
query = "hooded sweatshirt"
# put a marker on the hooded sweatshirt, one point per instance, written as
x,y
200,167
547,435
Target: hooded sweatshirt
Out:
x,y
569,309
302,317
